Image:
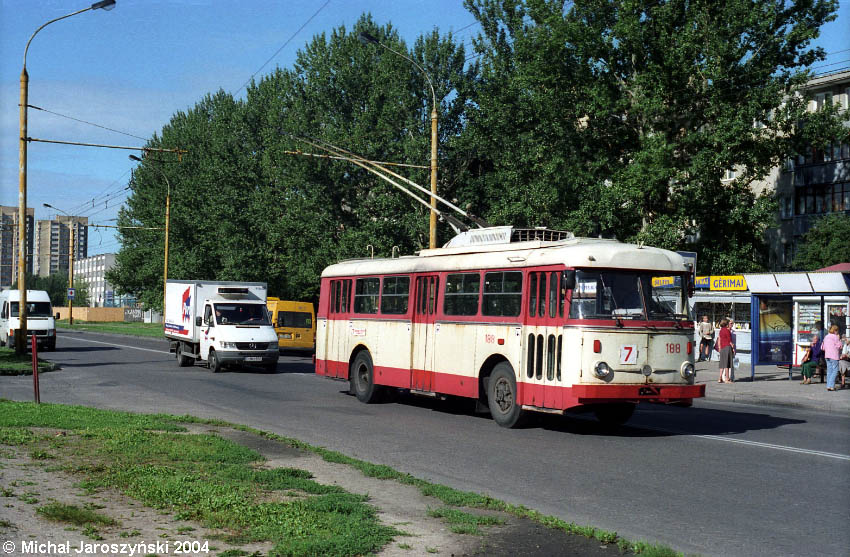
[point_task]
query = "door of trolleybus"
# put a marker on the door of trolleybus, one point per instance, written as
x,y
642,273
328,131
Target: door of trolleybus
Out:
x,y
424,316
543,342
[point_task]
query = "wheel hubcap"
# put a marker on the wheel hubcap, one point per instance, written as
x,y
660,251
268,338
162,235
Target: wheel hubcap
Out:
x,y
363,376
503,395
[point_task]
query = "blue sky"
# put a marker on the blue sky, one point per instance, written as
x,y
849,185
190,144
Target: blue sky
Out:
x,y
131,68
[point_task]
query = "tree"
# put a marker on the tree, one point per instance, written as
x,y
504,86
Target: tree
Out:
x,y
81,293
824,244
56,286
245,207
623,116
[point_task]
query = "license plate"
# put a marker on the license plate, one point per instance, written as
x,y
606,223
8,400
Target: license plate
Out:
x,y
253,359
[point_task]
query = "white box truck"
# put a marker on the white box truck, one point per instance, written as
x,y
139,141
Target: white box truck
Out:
x,y
40,320
221,323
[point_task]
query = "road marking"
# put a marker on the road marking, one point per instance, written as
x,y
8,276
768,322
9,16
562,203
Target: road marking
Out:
x,y
776,447
121,345
753,443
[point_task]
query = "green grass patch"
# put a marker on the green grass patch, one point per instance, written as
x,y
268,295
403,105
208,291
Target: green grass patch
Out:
x,y
72,514
461,522
21,364
114,327
205,478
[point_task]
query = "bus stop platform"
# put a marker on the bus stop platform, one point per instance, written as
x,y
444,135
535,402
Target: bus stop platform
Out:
x,y
771,387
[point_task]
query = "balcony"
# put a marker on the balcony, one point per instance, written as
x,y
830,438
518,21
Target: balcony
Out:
x,y
822,173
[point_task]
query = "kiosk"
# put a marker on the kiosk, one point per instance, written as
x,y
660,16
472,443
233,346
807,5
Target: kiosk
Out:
x,y
788,309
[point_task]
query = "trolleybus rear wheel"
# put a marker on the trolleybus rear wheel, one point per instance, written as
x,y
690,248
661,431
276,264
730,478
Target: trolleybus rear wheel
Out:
x,y
362,378
502,397
615,413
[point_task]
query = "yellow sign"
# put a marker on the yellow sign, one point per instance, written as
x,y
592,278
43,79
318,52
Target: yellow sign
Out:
x,y
731,282
663,281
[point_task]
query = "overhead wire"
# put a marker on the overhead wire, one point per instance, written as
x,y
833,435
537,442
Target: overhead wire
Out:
x,y
282,47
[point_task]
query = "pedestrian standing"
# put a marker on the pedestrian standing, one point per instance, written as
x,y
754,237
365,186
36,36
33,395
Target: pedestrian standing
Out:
x,y
844,360
706,338
832,349
727,351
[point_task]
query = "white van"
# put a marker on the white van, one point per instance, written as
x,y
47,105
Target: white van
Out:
x,y
39,318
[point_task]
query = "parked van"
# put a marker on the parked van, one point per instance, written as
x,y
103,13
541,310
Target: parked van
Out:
x,y
294,323
40,320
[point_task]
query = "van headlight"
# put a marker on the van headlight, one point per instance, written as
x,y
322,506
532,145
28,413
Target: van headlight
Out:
x,y
687,370
231,345
602,370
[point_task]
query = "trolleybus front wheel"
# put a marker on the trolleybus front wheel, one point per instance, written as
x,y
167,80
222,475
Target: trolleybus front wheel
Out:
x,y
362,378
615,413
502,397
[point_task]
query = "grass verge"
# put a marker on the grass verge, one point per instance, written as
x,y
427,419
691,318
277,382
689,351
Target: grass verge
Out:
x,y
115,327
20,364
72,514
198,477
211,480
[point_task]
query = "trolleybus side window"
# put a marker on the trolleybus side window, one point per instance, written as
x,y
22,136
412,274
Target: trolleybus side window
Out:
x,y
461,296
553,293
541,305
366,295
530,359
340,294
560,345
550,357
538,367
502,294
532,295
394,295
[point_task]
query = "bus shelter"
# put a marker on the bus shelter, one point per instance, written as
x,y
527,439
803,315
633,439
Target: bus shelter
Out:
x,y
788,309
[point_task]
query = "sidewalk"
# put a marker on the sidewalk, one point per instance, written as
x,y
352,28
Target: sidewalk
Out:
x,y
772,387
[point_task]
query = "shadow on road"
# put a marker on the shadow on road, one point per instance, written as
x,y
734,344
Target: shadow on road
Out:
x,y
649,420
85,349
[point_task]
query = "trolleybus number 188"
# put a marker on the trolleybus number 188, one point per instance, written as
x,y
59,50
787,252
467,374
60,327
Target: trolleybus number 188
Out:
x,y
673,348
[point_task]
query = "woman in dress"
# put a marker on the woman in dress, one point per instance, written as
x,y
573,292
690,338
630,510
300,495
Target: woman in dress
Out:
x,y
727,351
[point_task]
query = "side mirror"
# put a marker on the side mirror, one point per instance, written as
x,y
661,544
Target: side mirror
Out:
x,y
55,316
569,280
197,322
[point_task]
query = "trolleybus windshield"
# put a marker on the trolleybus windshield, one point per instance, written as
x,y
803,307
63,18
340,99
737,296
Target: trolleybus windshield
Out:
x,y
629,295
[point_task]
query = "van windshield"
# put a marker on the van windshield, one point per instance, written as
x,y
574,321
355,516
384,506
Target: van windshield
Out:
x,y
34,309
241,314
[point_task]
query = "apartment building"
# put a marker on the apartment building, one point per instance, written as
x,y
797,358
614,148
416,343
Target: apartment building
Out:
x,y
9,245
812,184
92,272
53,243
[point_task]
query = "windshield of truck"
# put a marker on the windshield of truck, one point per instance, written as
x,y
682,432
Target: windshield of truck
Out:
x,y
294,319
34,309
241,314
629,295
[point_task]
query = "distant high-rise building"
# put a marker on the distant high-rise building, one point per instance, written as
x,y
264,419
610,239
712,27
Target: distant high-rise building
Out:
x,y
91,271
53,243
9,245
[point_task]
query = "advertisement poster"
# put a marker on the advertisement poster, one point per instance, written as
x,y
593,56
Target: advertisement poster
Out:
x,y
775,330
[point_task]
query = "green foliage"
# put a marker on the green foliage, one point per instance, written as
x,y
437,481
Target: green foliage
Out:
x,y
461,522
56,286
621,117
601,117
825,244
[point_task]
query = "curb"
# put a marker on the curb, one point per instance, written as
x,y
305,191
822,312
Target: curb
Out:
x,y
757,400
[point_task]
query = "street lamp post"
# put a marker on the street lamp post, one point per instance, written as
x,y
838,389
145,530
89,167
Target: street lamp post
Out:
x,y
432,228
72,232
167,219
20,341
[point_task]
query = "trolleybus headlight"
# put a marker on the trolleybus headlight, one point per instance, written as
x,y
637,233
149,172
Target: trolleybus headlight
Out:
x,y
687,370
646,370
601,370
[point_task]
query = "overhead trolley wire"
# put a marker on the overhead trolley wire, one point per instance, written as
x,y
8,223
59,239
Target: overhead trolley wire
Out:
x,y
282,47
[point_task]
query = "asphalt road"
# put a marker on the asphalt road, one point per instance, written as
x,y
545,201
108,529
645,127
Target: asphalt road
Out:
x,y
715,479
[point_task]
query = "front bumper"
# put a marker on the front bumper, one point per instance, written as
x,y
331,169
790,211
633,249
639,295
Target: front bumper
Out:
x,y
241,356
594,394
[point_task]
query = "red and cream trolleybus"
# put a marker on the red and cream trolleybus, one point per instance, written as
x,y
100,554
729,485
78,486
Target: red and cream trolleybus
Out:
x,y
520,320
